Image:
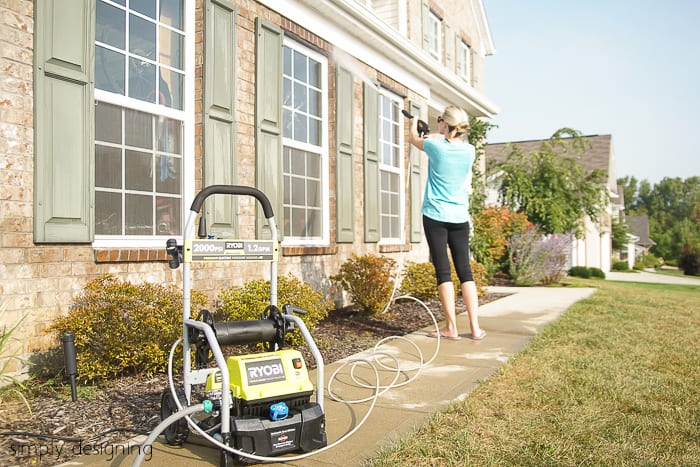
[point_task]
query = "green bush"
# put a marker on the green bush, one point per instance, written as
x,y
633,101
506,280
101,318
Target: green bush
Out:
x,y
492,229
597,272
690,260
419,280
122,328
248,302
368,280
621,266
538,259
580,271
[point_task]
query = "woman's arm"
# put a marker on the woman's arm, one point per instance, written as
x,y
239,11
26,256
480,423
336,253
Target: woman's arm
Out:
x,y
413,137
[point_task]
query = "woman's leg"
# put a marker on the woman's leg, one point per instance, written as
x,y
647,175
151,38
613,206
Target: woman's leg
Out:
x,y
458,240
436,236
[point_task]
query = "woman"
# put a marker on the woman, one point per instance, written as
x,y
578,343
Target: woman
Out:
x,y
446,213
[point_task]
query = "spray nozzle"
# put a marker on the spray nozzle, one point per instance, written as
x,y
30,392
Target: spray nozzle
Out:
x,y
422,127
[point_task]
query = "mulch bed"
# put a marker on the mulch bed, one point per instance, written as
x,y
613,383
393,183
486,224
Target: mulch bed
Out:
x,y
51,429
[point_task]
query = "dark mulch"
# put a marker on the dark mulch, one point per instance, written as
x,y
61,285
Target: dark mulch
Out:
x,y
112,413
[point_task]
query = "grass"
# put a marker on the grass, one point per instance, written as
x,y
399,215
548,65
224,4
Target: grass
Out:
x,y
614,381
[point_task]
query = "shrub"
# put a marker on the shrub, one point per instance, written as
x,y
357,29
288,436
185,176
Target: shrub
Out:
x,y
620,266
248,302
122,328
648,260
580,271
537,259
368,280
419,280
492,229
689,261
597,272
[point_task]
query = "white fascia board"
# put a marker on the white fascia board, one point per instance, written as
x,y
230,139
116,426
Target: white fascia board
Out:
x,y
360,33
483,26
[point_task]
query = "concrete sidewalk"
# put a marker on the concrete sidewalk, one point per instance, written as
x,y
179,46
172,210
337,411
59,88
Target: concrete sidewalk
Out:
x,y
456,370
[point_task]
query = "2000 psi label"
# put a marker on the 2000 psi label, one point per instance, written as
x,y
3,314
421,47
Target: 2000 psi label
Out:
x,y
230,250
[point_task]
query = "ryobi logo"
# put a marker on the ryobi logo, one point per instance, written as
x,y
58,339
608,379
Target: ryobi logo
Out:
x,y
266,371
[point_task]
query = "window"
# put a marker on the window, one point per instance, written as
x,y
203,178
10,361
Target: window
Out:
x,y
391,169
305,145
434,36
464,56
140,76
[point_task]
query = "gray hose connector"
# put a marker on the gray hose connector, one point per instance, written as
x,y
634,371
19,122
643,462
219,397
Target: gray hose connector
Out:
x,y
205,406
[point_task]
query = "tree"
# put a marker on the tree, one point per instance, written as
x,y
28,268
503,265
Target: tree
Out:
x,y
620,235
550,187
476,135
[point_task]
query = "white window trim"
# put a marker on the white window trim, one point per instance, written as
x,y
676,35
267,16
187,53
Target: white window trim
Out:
x,y
324,151
465,62
188,118
435,27
401,171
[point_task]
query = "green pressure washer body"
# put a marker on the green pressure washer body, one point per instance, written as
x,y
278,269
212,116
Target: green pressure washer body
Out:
x,y
264,401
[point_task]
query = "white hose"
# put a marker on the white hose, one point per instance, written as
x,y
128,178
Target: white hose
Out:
x,y
202,407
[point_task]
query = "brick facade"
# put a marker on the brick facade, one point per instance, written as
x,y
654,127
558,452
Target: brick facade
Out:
x,y
38,282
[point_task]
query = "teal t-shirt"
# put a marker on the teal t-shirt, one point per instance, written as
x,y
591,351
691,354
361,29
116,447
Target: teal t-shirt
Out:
x,y
446,196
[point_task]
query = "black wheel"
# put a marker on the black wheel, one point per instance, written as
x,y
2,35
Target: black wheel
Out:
x,y
176,434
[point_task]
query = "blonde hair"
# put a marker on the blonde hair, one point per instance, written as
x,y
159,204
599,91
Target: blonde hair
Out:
x,y
457,119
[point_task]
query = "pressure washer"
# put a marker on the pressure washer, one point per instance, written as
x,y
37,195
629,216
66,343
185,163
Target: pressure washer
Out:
x,y
256,405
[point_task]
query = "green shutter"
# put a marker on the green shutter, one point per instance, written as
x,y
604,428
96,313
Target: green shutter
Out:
x,y
268,120
425,13
449,48
345,186
219,128
64,120
371,163
416,182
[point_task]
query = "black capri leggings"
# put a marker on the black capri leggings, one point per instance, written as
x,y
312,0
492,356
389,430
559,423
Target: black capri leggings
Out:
x,y
441,234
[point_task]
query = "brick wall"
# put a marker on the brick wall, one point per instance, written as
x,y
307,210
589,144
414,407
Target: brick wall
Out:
x,y
39,282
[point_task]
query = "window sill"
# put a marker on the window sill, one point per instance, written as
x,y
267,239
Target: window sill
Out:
x,y
130,255
394,248
309,250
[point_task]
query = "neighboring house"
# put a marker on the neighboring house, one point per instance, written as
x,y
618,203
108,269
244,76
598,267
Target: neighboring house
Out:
x,y
115,114
639,230
595,248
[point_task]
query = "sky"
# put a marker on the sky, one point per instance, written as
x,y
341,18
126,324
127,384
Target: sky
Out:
x,y
627,68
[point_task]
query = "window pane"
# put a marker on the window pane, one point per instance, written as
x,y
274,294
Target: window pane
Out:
x,y
287,181
169,135
145,7
108,213
300,97
138,167
108,123
315,131
109,70
298,192
287,222
171,47
287,123
171,13
108,167
139,129
313,193
139,214
300,127
313,223
167,216
314,103
142,80
314,73
299,66
170,89
287,61
110,25
297,163
169,175
287,92
142,37
298,224
313,165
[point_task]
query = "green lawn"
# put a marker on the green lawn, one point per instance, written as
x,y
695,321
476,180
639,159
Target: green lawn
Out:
x,y
614,381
